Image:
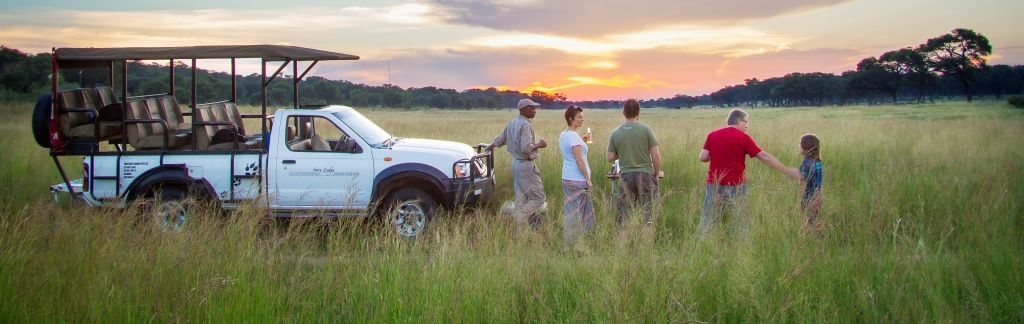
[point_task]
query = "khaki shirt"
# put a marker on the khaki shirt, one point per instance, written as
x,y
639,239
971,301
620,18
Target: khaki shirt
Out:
x,y
518,134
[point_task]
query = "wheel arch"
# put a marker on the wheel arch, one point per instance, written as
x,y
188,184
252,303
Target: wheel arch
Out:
x,y
422,176
170,174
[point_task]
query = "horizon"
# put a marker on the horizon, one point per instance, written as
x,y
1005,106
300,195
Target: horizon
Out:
x,y
691,48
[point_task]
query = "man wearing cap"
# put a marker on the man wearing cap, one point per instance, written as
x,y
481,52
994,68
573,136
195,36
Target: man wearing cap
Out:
x,y
518,134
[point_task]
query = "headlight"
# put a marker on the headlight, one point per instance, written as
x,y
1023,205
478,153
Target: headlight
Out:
x,y
462,170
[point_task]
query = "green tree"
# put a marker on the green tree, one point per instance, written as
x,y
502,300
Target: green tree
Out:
x,y
358,98
879,75
440,100
913,67
959,55
999,80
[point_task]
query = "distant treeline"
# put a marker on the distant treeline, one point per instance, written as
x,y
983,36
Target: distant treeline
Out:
x,y
951,65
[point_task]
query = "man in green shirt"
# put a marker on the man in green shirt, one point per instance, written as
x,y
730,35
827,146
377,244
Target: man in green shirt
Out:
x,y
635,146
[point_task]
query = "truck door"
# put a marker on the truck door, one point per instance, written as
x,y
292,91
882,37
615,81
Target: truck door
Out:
x,y
322,165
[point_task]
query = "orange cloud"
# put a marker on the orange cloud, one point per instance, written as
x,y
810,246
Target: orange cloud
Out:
x,y
630,81
602,65
498,87
726,41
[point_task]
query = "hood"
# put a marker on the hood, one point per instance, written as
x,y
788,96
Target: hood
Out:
x,y
440,155
418,144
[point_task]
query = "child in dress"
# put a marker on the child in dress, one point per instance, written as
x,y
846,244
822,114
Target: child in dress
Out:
x,y
810,178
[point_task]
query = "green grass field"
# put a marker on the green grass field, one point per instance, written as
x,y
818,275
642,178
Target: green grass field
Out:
x,y
924,207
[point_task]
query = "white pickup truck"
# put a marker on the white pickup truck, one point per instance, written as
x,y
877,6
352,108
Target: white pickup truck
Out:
x,y
340,163
330,161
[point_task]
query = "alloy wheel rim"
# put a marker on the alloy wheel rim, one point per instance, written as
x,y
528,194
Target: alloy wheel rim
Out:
x,y
409,218
171,215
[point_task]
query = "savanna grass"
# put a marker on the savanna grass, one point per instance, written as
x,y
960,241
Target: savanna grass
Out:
x,y
922,223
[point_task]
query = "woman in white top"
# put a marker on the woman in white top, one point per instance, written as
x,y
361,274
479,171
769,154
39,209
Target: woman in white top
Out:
x,y
578,209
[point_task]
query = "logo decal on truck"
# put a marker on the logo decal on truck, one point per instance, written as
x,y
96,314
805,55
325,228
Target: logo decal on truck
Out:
x,y
322,172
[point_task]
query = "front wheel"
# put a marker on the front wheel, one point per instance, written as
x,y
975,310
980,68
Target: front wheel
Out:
x,y
409,211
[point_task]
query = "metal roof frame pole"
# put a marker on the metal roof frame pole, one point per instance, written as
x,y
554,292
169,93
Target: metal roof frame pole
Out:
x,y
263,122
264,83
110,76
298,77
234,94
193,84
263,91
54,137
310,67
278,72
295,84
172,77
195,113
53,120
124,101
110,73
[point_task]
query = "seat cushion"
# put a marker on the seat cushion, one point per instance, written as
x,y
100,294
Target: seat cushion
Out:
x,y
171,112
105,96
157,142
228,146
302,145
107,130
74,99
318,144
137,131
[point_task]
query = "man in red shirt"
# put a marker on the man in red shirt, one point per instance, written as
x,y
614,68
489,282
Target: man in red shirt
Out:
x,y
727,149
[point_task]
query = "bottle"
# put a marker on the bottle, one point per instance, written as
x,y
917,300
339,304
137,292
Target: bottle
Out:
x,y
590,136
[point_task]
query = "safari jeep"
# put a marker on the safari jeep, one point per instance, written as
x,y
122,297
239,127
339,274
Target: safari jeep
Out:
x,y
300,162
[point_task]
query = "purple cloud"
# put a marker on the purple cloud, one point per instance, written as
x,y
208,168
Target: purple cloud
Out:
x,y
592,18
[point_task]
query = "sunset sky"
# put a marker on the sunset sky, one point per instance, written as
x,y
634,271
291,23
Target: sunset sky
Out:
x,y
585,49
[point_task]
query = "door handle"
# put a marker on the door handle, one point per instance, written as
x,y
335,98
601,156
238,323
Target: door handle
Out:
x,y
288,162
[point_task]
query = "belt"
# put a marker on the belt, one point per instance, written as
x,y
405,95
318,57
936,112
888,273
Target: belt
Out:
x,y
529,159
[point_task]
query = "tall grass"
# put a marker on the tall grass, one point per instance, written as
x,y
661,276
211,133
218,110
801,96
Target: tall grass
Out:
x,y
923,210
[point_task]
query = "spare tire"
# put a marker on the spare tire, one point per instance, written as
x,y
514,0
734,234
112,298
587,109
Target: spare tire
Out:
x,y
41,120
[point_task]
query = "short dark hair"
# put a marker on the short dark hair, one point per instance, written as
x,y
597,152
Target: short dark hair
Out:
x,y
571,112
631,108
735,116
811,146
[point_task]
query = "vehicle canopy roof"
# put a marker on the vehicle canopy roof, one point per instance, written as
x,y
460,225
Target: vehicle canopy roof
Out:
x,y
267,52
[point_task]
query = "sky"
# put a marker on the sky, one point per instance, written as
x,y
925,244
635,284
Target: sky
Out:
x,y
587,50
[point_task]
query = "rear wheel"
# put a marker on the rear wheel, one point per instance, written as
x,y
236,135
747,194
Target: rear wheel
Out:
x,y
171,211
409,211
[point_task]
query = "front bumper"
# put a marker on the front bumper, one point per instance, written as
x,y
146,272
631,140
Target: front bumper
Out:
x,y
477,186
462,192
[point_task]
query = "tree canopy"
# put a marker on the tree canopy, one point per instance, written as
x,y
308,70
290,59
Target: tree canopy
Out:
x,y
951,65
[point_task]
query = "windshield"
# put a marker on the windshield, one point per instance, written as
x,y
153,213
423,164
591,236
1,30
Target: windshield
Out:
x,y
367,130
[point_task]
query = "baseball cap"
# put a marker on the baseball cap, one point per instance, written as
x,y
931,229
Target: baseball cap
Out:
x,y
527,102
